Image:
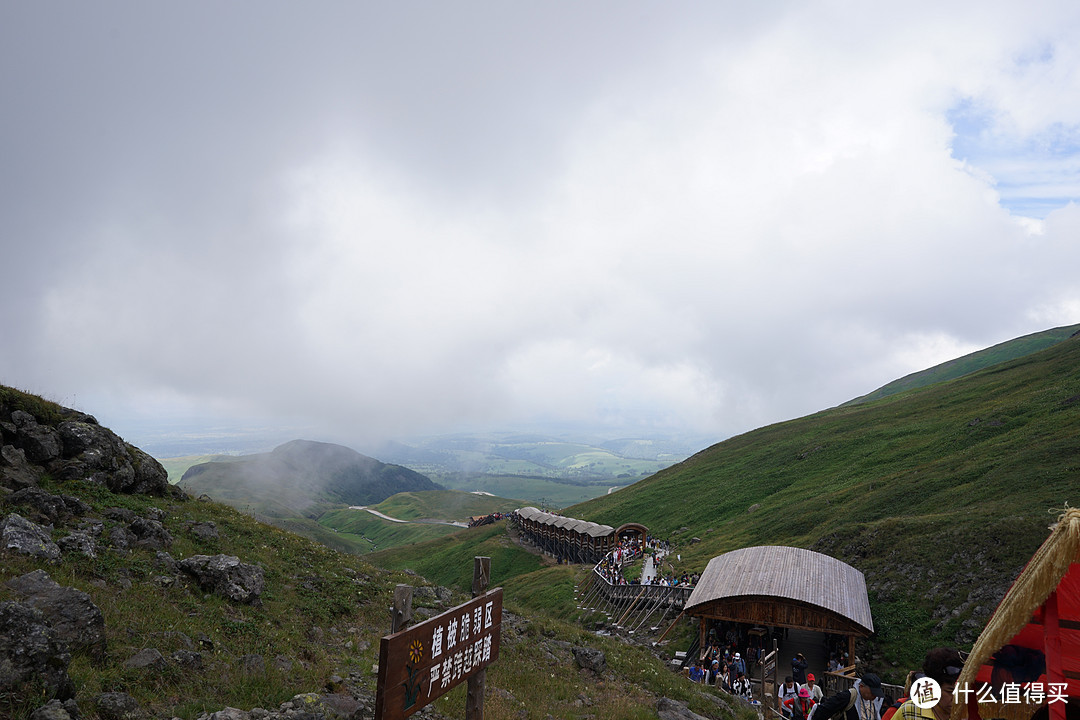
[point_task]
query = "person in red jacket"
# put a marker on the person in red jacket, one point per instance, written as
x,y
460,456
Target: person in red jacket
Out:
x,y
799,707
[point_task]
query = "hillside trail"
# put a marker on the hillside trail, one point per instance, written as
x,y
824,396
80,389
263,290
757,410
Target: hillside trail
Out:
x,y
408,522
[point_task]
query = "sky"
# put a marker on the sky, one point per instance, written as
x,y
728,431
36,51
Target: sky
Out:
x,y
359,221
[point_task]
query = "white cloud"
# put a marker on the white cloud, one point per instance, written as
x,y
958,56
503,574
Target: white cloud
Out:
x,y
706,222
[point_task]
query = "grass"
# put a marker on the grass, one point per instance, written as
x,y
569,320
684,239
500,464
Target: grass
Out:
x,y
534,490
445,505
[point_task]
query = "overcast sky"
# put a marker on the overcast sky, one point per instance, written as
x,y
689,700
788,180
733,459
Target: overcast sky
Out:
x,y
374,220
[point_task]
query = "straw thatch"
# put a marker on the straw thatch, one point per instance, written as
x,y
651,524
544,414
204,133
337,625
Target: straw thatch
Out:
x,y
1042,575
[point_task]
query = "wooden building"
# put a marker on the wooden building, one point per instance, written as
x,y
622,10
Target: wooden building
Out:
x,y
784,587
569,538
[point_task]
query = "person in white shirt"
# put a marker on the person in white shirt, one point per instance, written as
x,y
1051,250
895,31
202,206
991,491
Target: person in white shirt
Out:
x,y
811,685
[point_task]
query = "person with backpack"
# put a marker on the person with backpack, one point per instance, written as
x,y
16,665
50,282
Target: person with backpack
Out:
x,y
788,691
800,706
861,702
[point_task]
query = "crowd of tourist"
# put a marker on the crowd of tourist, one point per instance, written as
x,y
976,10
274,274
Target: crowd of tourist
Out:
x,y
629,551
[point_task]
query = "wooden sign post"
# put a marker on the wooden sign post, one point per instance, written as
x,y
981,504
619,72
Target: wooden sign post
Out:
x,y
420,664
474,699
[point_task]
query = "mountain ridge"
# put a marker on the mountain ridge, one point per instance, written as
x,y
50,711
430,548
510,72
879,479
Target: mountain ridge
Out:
x,y
299,475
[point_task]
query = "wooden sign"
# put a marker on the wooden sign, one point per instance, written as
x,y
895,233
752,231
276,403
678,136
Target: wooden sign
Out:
x,y
420,664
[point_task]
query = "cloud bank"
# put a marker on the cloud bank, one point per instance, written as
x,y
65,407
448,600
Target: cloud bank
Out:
x,y
372,222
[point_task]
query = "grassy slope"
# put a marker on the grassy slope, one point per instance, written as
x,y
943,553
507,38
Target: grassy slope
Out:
x,y
446,505
369,532
974,362
938,495
177,466
533,490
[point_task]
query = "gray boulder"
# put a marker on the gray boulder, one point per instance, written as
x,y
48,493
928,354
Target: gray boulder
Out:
x,y
81,543
48,507
150,534
31,658
669,709
590,659
56,710
19,535
226,576
120,514
16,472
120,537
40,442
204,531
165,561
147,658
74,617
116,706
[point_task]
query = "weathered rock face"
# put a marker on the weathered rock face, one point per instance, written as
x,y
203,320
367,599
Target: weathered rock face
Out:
x,y
225,575
76,448
81,543
31,655
150,534
47,507
16,472
19,535
668,709
73,616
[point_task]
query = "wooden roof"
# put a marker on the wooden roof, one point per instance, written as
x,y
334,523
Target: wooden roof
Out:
x,y
583,527
786,587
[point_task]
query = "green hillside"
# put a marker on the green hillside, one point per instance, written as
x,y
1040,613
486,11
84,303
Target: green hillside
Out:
x,y
973,362
447,505
428,513
938,495
177,466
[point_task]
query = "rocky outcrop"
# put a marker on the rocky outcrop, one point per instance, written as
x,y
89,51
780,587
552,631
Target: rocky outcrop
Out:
x,y
73,616
76,447
32,659
225,575
16,472
21,536
48,508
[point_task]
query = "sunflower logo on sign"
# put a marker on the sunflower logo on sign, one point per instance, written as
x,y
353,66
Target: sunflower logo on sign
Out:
x,y
412,684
